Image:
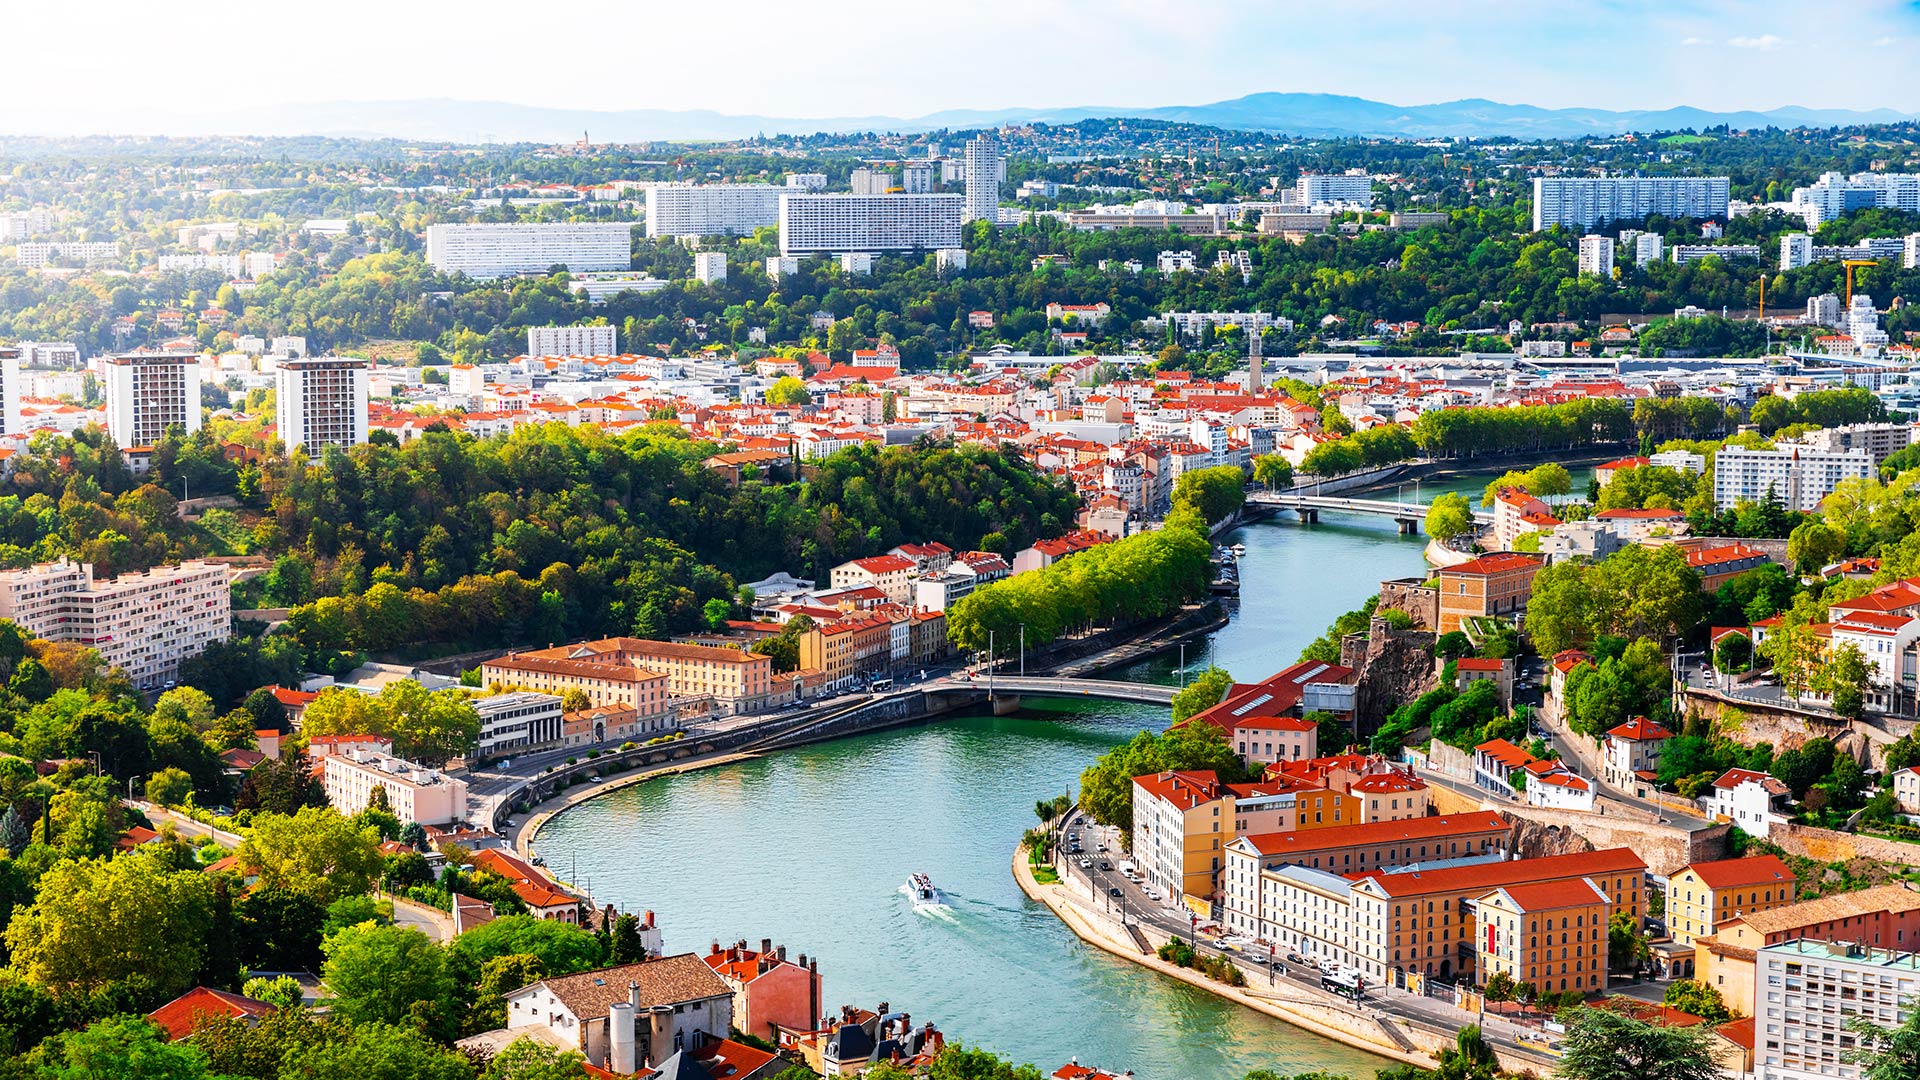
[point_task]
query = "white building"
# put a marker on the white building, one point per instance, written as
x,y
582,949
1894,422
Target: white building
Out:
x,y
1170,262
1648,247
1189,324
147,393
11,391
1686,253
1834,195
572,340
145,624
32,256
629,1019
1685,461
501,250
833,222
856,262
713,209
985,169
25,224
918,177
1353,189
414,792
710,267
321,402
599,288
49,354
950,259
1750,800
1879,440
866,181
1799,477
516,721
1910,252
1796,250
1823,310
1586,202
1596,255
1808,993
811,181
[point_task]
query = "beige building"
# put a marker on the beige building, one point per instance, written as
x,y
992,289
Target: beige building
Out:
x,y
891,574
145,624
1551,934
1883,917
1703,895
622,671
415,792
1496,584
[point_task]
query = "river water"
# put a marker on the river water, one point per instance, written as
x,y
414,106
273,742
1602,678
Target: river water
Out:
x,y
810,847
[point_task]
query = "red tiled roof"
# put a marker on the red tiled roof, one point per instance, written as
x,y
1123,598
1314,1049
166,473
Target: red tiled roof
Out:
x,y
1720,556
1623,463
1733,778
1184,790
1376,832
1550,895
1474,663
1497,563
179,1017
1387,783
1733,873
1489,876
1640,729
1268,700
1505,753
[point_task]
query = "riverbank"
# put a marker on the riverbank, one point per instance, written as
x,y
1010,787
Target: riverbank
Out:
x,y
1322,1014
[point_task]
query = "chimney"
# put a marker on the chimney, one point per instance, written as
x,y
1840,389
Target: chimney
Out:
x,y
781,952
620,1037
885,1008
716,948
766,945
633,996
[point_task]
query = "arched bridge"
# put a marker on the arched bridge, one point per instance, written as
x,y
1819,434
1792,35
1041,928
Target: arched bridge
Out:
x,y
1054,686
1408,515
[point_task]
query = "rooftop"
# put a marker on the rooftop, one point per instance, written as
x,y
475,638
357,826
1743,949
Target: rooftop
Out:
x,y
1375,832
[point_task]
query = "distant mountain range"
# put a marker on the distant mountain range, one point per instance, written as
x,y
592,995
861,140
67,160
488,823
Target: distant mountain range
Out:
x,y
447,120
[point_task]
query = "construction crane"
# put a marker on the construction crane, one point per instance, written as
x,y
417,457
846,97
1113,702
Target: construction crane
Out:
x,y
1763,296
1850,264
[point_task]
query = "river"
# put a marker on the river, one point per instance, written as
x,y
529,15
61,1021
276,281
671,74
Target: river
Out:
x,y
810,847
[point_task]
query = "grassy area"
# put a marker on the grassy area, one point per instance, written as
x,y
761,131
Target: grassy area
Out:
x,y
1043,873
1685,140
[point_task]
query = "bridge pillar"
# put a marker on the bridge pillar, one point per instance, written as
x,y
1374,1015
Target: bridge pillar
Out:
x,y
1408,526
1309,515
1006,704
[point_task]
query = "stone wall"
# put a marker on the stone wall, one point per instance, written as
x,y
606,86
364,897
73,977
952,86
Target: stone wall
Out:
x,y
1538,832
1394,665
1413,596
1825,845
1450,761
1786,729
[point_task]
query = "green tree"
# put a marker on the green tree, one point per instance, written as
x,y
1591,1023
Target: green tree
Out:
x,y
788,390
1273,471
1698,998
1814,544
96,922
122,1047
1604,1044
1885,1053
379,974
561,948
314,852
1449,516
169,787
281,991
1204,692
1847,677
525,1059
377,1051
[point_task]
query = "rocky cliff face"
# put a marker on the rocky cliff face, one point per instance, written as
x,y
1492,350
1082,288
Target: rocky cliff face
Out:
x,y
1394,666
1533,840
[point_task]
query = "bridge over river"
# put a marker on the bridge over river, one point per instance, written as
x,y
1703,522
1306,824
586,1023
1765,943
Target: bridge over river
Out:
x,y
1408,515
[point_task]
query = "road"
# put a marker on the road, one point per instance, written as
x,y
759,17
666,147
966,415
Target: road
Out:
x,y
1134,906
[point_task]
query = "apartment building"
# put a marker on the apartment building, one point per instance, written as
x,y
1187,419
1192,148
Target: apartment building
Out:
x,y
1882,917
1835,195
891,574
847,648
1705,894
321,402
1880,441
737,680
1312,189
1551,934
1584,203
1361,847
1798,476
710,267
1596,255
36,254
517,721
606,685
835,222
149,392
572,340
1264,722
1808,994
1183,822
414,792
985,170
712,209
11,390
1631,754
145,624
502,250
1425,920
1496,584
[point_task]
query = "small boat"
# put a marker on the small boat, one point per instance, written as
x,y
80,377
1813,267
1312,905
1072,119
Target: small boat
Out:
x,y
1239,551
921,891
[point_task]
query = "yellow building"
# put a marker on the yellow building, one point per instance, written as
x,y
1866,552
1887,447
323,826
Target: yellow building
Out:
x,y
737,680
1703,895
1324,809
1552,934
1882,917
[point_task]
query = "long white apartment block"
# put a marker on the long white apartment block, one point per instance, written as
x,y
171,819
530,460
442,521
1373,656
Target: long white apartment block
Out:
x,y
1590,202
838,222
414,792
1798,476
1313,189
144,624
712,209
1835,195
517,720
11,390
49,354
501,250
572,340
36,254
147,393
321,402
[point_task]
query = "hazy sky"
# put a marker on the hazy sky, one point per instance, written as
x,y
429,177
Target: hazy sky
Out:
x,y
93,59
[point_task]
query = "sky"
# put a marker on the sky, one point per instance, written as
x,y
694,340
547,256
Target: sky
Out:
x,y
125,66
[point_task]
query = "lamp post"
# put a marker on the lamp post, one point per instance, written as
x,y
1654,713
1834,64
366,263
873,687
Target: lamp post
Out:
x,y
1183,663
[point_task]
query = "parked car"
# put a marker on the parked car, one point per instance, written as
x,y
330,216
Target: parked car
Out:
x,y
1115,892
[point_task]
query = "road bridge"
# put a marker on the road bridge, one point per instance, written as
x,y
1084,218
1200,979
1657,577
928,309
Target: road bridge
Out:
x,y
1056,686
1408,515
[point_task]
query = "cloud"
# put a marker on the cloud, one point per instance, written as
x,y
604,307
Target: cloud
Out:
x,y
1883,42
1764,43
1692,41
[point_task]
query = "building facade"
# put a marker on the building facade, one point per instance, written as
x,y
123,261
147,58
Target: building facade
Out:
x,y
1584,203
147,393
501,250
711,209
517,721
144,624
823,223
572,340
321,402
1705,894
1797,476
414,792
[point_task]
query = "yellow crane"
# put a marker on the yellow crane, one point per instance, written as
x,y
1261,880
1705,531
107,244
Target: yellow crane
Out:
x,y
1850,264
